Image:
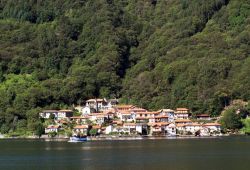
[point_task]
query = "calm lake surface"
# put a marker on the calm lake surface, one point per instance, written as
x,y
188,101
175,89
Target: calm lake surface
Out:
x,y
221,153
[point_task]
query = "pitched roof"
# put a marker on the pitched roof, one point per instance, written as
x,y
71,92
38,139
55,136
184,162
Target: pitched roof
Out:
x,y
203,115
156,112
182,109
167,110
81,127
49,111
193,124
65,111
96,127
94,100
80,117
129,124
160,116
53,127
212,124
138,109
124,106
182,120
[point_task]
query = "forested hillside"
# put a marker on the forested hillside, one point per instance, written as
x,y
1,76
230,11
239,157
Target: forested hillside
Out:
x,y
153,53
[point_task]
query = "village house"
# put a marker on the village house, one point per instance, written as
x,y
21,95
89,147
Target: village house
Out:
x,y
124,107
65,114
126,116
182,121
109,129
203,117
169,113
138,109
80,119
170,129
193,127
96,104
181,113
80,129
46,113
100,118
213,127
52,128
58,114
162,128
99,105
131,127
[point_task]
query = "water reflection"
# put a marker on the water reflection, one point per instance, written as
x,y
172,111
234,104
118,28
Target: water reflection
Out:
x,y
206,154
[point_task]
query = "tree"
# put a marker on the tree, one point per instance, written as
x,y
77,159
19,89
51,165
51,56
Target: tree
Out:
x,y
39,130
231,120
51,116
93,132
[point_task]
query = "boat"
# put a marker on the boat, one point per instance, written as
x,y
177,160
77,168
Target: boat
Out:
x,y
78,139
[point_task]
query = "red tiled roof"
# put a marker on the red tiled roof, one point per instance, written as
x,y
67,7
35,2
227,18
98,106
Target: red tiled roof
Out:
x,y
182,109
203,115
182,120
80,117
81,127
211,124
65,111
156,112
96,127
94,100
161,117
53,127
129,124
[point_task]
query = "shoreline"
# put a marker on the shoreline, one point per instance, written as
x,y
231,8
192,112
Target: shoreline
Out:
x,y
114,138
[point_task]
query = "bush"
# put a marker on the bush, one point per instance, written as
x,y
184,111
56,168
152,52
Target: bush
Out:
x,y
230,120
52,134
4,129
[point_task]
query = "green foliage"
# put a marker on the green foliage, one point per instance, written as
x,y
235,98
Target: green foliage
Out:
x,y
39,130
52,134
93,132
246,128
231,120
163,54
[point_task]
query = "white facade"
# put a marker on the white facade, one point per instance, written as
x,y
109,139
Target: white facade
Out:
x,y
86,111
52,128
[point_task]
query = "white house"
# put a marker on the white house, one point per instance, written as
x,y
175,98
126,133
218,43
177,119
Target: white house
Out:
x,y
213,127
64,114
193,127
52,128
86,110
83,129
109,129
131,127
182,121
169,113
181,113
170,129
80,119
203,117
58,114
126,116
46,113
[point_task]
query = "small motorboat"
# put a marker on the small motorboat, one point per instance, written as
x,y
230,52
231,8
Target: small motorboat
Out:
x,y
78,139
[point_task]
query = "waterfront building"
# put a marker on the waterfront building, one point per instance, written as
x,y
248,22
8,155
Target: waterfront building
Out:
x,y
181,113
58,114
80,129
52,128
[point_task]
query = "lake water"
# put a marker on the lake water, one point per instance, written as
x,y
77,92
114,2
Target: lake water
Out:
x,y
222,153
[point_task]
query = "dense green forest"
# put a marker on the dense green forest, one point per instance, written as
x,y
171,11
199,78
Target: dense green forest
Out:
x,y
152,53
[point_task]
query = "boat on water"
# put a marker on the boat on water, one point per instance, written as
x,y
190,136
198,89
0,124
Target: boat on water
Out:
x,y
78,139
